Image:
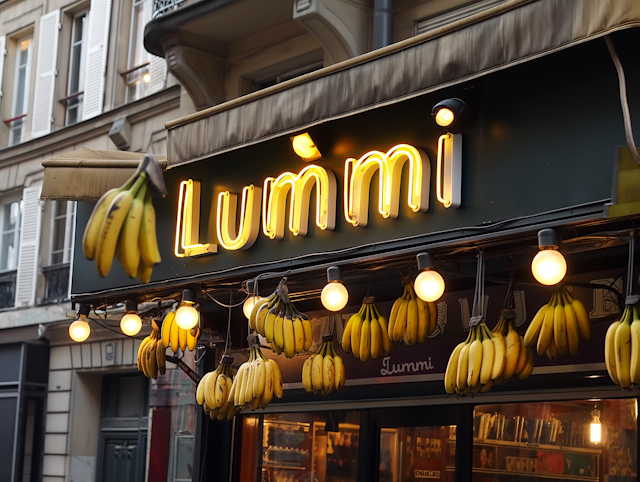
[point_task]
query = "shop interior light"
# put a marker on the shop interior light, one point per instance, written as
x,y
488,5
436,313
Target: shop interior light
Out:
x,y
251,301
596,427
454,114
334,295
187,316
305,147
130,324
548,266
79,329
429,284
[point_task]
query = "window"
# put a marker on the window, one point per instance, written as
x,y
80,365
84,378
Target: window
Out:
x,y
21,91
263,84
63,224
10,218
137,74
77,55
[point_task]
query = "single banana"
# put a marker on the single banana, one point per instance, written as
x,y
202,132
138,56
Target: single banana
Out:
x,y
308,332
148,242
387,344
259,377
560,329
174,335
401,321
356,332
130,233
546,332
152,362
278,331
182,337
268,328
475,361
306,374
376,338
267,394
583,318
161,357
634,371
289,337
340,377
220,391
365,337
552,351
191,339
238,396
277,377
200,389
348,330
488,357
394,314
256,309
298,334
500,356
528,368
328,373
533,331
316,372
248,387
210,388
522,359
513,351
463,369
411,332
573,329
423,320
166,328
141,351
622,344
451,373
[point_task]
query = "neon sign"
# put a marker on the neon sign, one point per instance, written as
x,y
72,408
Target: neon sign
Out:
x,y
188,222
249,218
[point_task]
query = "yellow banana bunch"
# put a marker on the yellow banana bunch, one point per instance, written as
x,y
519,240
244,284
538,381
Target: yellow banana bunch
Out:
x,y
284,327
177,338
323,372
412,320
213,391
366,332
518,358
151,354
123,225
622,348
559,326
257,381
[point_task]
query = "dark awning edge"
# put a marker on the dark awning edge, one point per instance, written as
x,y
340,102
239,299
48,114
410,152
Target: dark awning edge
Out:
x,y
517,31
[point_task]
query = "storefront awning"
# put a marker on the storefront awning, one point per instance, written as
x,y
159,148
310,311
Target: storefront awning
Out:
x,y
86,174
509,34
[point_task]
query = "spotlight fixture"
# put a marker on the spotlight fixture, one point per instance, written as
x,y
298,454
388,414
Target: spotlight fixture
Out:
x,y
187,316
334,295
79,329
548,266
130,324
429,284
251,301
596,427
305,147
454,114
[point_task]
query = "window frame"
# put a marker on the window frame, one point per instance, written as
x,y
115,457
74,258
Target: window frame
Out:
x,y
5,201
135,73
78,95
69,231
12,125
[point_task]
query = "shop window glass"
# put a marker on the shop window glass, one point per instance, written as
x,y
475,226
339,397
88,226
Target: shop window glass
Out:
x,y
416,453
556,441
318,447
11,217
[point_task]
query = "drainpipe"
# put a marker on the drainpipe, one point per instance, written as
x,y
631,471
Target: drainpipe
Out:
x,y
382,23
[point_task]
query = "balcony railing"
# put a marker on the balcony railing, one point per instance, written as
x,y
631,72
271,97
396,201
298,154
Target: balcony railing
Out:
x,y
56,283
160,7
7,289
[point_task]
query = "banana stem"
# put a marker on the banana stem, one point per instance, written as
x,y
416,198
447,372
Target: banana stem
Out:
x,y
139,182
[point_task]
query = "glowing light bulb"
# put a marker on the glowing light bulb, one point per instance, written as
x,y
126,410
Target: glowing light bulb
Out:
x,y
429,285
334,296
304,146
130,324
549,267
187,316
79,329
146,77
445,117
596,428
249,303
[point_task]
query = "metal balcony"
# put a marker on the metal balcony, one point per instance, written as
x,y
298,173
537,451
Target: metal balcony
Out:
x,y
56,283
160,7
7,289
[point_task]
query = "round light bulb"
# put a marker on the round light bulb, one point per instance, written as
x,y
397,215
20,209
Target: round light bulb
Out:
x,y
334,296
445,117
429,285
304,146
549,267
146,77
79,329
131,324
187,317
249,303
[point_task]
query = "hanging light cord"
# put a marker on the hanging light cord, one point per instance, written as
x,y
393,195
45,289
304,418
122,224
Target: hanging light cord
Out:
x,y
222,304
477,310
623,100
632,249
227,343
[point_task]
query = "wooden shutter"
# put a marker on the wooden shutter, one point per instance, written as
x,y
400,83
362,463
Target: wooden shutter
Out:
x,y
3,51
29,247
158,73
45,74
97,46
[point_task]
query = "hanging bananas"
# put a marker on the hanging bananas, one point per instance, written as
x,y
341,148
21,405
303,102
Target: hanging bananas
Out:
x,y
257,381
518,358
123,224
412,320
213,391
559,326
283,326
151,354
178,338
323,372
622,348
366,332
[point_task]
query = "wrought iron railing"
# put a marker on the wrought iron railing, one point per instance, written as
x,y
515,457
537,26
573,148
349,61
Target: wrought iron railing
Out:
x,y
56,283
7,289
160,7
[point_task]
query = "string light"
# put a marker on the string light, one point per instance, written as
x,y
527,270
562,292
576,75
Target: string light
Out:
x,y
187,316
131,324
334,295
80,329
596,427
548,266
251,301
429,284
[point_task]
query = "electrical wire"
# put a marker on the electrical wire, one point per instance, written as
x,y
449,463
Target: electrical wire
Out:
x,y
623,100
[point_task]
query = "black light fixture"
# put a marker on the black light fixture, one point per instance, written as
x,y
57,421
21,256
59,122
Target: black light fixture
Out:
x,y
80,329
455,114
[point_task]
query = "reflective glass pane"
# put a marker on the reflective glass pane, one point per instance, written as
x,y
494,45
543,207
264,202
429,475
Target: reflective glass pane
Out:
x,y
184,458
590,440
415,453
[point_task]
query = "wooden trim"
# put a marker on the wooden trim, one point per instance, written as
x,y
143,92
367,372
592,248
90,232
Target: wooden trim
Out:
x,y
21,116
133,69
69,97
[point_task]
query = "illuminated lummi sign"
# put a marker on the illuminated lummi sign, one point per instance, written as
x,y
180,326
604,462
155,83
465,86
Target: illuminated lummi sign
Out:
x,y
265,208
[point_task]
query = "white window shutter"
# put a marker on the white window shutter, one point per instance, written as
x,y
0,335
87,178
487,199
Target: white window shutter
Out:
x,y
97,46
158,73
45,74
3,46
29,247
